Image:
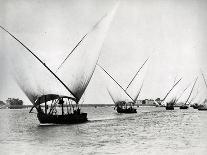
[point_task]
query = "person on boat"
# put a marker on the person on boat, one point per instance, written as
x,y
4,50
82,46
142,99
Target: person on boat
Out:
x,y
78,110
61,102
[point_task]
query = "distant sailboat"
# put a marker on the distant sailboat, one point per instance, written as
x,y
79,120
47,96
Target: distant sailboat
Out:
x,y
50,93
203,106
122,106
170,104
186,104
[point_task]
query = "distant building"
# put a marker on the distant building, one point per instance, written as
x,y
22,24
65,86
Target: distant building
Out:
x,y
14,103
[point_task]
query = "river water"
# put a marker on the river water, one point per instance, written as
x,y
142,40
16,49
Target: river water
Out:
x,y
153,130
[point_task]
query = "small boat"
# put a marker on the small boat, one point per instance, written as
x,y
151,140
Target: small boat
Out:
x,y
184,106
48,113
122,107
195,106
203,106
126,110
170,105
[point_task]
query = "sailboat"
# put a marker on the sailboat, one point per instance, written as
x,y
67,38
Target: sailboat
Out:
x,y
203,106
56,95
194,105
186,105
171,103
122,106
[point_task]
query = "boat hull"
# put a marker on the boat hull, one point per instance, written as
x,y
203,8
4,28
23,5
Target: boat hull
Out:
x,y
202,109
183,107
169,108
62,119
128,111
195,107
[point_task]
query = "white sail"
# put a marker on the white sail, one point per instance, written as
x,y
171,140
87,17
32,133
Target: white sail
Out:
x,y
132,91
35,79
172,94
81,64
135,88
32,77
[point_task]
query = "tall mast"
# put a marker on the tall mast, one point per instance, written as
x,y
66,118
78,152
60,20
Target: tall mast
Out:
x,y
72,51
204,79
116,83
191,90
171,89
137,73
139,91
80,42
40,61
183,92
193,98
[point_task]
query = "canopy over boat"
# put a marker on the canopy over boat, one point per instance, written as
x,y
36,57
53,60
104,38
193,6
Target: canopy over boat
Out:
x,y
50,97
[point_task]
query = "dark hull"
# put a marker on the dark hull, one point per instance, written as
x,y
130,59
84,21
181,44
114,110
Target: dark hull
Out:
x,y
62,119
128,111
195,107
169,108
202,109
184,107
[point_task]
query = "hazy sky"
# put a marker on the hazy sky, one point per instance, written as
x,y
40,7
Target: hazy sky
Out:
x,y
172,32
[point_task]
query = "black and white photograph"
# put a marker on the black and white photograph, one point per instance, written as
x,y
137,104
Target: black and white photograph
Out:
x,y
103,77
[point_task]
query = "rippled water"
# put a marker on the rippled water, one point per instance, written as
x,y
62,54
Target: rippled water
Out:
x,y
151,131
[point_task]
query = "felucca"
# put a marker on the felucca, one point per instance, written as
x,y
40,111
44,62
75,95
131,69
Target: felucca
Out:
x,y
122,106
56,96
186,105
171,103
203,106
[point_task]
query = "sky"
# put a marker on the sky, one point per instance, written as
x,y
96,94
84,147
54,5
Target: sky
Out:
x,y
171,32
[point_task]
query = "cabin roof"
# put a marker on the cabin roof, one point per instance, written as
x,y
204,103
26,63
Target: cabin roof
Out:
x,y
49,97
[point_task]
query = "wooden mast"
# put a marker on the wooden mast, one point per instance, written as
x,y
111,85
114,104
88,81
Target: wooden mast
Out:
x,y
41,62
204,79
191,90
116,83
171,90
137,73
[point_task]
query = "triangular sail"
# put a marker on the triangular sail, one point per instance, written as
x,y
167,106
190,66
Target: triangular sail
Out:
x,y
32,75
171,90
135,86
36,79
194,97
116,83
124,94
82,63
204,79
137,73
181,94
191,91
136,97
